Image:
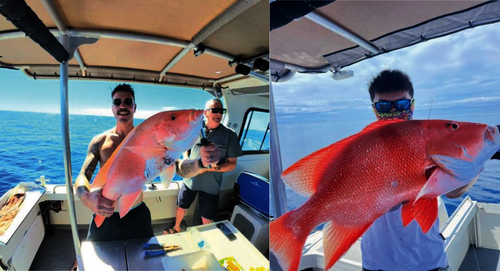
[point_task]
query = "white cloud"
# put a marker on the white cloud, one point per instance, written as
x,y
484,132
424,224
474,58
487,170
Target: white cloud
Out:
x,y
169,108
106,112
466,100
451,71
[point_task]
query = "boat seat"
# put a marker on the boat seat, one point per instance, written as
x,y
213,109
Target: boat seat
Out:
x,y
251,217
253,191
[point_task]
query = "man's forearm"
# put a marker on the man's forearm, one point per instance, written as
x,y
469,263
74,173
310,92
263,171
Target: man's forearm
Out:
x,y
188,168
82,186
224,167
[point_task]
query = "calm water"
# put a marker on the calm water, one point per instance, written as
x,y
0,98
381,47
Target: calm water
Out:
x,y
300,139
31,145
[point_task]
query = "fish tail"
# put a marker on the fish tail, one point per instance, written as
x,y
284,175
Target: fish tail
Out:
x,y
287,240
99,220
338,238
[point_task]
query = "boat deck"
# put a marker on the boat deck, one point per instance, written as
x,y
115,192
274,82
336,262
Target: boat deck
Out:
x,y
481,259
58,253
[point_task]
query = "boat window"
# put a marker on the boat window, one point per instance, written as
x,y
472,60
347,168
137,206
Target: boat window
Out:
x,y
254,137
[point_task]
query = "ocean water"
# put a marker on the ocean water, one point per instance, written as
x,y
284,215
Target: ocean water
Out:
x,y
298,140
31,145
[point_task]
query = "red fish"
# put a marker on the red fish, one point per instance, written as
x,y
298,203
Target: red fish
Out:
x,y
356,180
149,150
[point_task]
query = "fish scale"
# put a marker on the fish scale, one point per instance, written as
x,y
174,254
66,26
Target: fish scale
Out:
x,y
356,180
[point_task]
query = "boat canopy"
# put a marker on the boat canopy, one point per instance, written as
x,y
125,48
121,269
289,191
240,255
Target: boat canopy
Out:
x,y
342,33
185,43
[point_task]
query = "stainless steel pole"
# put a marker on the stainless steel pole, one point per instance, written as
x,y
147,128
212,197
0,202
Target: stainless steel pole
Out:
x,y
64,39
278,193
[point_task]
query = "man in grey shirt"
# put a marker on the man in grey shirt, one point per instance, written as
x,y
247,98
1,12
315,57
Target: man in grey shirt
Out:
x,y
208,183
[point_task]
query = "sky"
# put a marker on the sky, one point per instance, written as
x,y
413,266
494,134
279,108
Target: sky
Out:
x,y
458,74
22,93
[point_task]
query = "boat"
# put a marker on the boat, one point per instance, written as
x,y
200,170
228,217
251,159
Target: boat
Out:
x,y
216,46
328,38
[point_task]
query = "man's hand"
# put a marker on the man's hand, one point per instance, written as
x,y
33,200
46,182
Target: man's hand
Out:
x,y
97,203
210,154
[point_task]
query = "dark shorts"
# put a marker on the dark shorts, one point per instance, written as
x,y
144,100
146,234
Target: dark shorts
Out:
x,y
209,203
135,224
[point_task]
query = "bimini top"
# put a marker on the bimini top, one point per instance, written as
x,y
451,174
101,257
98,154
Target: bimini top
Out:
x,y
342,33
188,43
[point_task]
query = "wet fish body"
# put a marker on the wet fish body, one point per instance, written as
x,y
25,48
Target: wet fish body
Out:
x,y
149,150
356,180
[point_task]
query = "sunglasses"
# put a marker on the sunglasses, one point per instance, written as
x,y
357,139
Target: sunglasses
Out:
x,y
217,110
400,105
118,102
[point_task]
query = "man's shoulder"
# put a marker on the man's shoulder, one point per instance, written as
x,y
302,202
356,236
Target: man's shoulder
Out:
x,y
99,138
227,129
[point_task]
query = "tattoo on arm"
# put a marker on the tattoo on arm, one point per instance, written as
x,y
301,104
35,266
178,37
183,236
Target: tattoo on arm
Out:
x,y
88,168
81,189
188,168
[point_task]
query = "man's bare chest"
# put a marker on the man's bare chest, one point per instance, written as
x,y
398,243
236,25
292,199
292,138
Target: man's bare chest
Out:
x,y
109,145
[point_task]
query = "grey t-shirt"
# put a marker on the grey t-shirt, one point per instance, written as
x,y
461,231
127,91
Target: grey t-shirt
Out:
x,y
229,146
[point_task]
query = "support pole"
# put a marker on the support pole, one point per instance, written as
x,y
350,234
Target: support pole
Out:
x,y
64,39
278,196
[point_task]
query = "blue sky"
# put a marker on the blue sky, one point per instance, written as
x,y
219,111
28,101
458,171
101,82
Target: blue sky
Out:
x,y
459,74
22,93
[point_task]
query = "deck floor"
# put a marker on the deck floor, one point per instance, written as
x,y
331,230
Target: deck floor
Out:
x,y
487,260
57,251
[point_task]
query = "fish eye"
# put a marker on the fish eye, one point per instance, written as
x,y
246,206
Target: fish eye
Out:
x,y
173,117
453,126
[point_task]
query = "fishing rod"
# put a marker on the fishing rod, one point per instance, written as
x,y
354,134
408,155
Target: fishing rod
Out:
x,y
430,108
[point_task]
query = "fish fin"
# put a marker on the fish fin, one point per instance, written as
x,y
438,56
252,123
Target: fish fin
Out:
x,y
287,241
424,211
125,202
407,214
337,239
147,153
99,220
304,176
102,176
379,123
100,179
167,175
441,181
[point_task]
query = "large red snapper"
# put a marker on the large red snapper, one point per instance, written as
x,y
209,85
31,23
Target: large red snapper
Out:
x,y
149,150
356,180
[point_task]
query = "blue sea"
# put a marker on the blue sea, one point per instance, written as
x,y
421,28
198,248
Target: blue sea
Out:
x,y
31,145
298,140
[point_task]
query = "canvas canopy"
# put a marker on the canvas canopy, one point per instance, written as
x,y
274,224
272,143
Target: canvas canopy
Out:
x,y
145,41
345,32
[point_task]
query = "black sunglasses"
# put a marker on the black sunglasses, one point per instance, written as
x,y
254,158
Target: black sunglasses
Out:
x,y
217,110
118,102
400,105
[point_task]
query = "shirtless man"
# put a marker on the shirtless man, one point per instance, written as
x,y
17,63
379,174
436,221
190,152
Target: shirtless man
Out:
x,y
137,222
